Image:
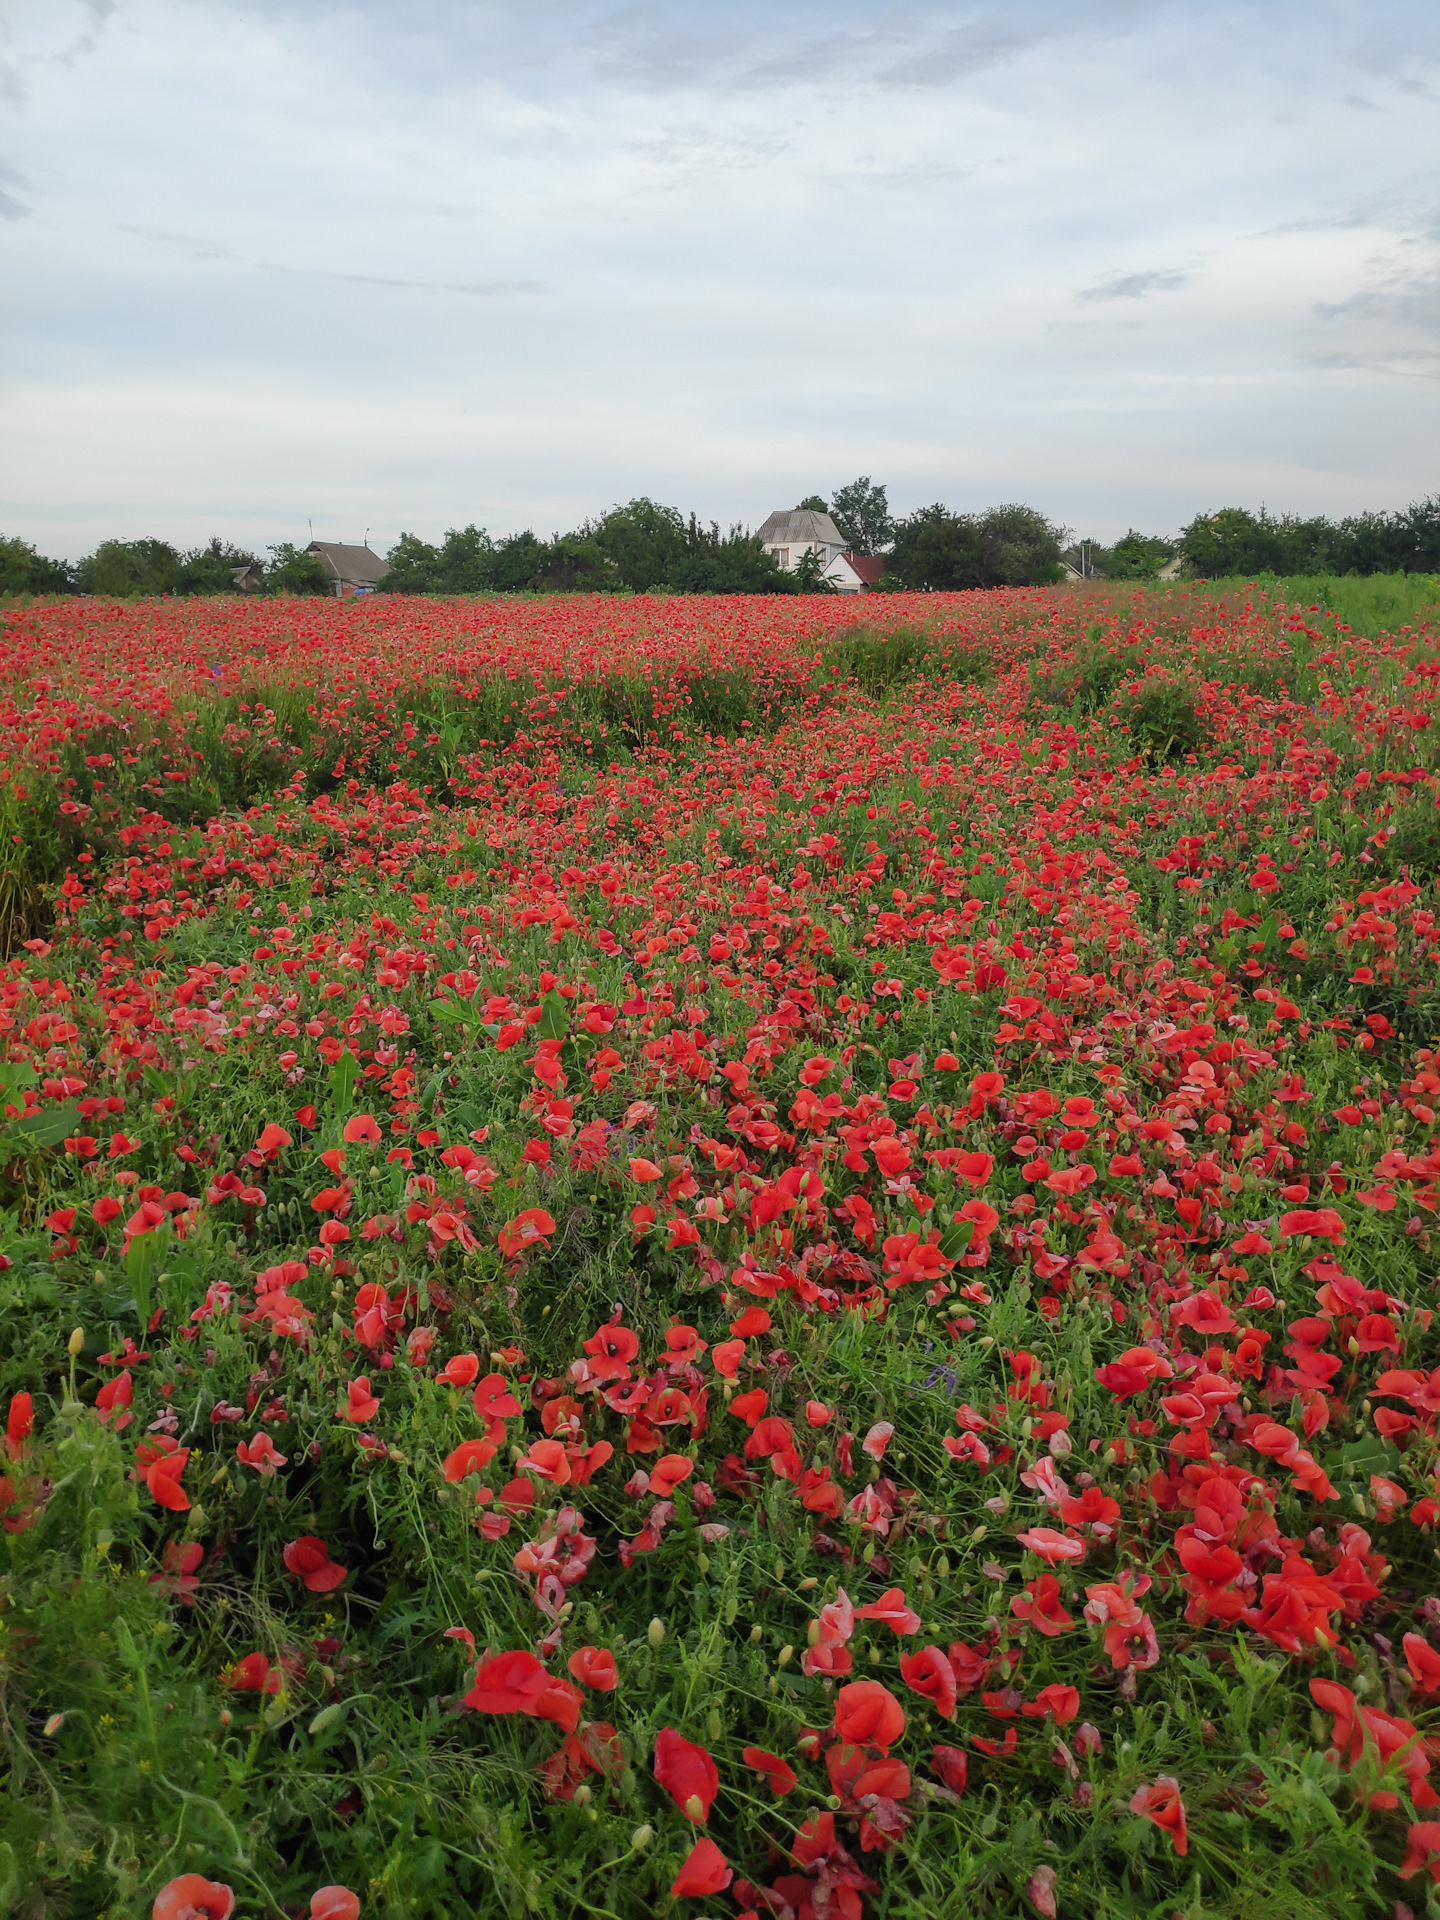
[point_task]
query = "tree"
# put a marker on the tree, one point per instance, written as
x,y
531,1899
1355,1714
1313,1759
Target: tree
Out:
x,y
23,570
464,563
809,574
862,513
938,550
292,570
645,542
1136,556
129,569
1020,547
414,566
518,559
812,503
1011,546
210,569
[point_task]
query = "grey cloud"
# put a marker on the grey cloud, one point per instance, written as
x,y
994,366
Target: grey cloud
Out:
x,y
11,206
1135,286
206,251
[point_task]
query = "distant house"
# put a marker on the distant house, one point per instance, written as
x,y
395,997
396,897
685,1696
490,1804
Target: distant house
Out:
x,y
248,579
790,536
353,569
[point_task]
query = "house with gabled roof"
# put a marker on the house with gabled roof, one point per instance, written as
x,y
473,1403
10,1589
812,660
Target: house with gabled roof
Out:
x,y
353,569
788,537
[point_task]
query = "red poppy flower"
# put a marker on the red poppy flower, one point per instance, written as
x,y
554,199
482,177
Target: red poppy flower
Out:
x,y
928,1672
687,1773
868,1714
253,1674
459,1370
1061,1702
594,1667
952,1766
1422,1853
193,1897
893,1610
361,1404
705,1871
1162,1804
334,1903
308,1558
527,1229
471,1456
777,1774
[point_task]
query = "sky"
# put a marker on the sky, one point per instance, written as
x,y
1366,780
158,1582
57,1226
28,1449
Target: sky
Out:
x,y
269,265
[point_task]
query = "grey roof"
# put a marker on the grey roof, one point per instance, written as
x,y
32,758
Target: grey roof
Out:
x,y
355,566
800,526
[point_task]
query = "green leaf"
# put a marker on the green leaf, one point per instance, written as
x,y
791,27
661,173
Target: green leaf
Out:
x,y
48,1127
1369,1454
343,1076
554,1017
956,1238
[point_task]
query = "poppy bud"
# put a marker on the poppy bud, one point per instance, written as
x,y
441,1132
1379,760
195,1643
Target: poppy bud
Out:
x,y
582,1796
755,1634
226,1717
641,1838
832,1801
327,1717
812,1633
807,1583
786,1655
874,1656
694,1808
76,1341
979,1533
702,1562
655,1632
53,1725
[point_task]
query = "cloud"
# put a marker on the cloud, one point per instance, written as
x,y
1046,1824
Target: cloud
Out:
x,y
1135,286
11,207
195,248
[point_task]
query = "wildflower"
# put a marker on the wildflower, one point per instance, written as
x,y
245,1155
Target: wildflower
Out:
x,y
928,1672
687,1773
260,1453
868,1714
334,1903
308,1559
1161,1803
777,1774
594,1667
705,1871
193,1897
518,1683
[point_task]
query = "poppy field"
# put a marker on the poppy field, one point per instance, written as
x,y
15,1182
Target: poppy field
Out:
x,y
719,1257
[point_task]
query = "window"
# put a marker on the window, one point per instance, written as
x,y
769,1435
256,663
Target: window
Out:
x,y
782,556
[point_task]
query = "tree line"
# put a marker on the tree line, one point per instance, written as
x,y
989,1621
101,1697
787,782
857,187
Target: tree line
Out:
x,y
645,547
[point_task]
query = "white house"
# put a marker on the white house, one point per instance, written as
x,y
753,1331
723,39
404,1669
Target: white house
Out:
x,y
789,536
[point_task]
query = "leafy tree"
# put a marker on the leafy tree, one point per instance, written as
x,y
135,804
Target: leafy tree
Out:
x,y
414,566
518,560
809,574
735,562
862,513
1020,547
812,503
1011,546
292,570
23,570
577,563
938,550
645,543
1136,556
464,563
129,569
208,569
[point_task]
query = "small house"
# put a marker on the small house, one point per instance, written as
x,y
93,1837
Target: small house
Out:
x,y
249,578
353,569
788,537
